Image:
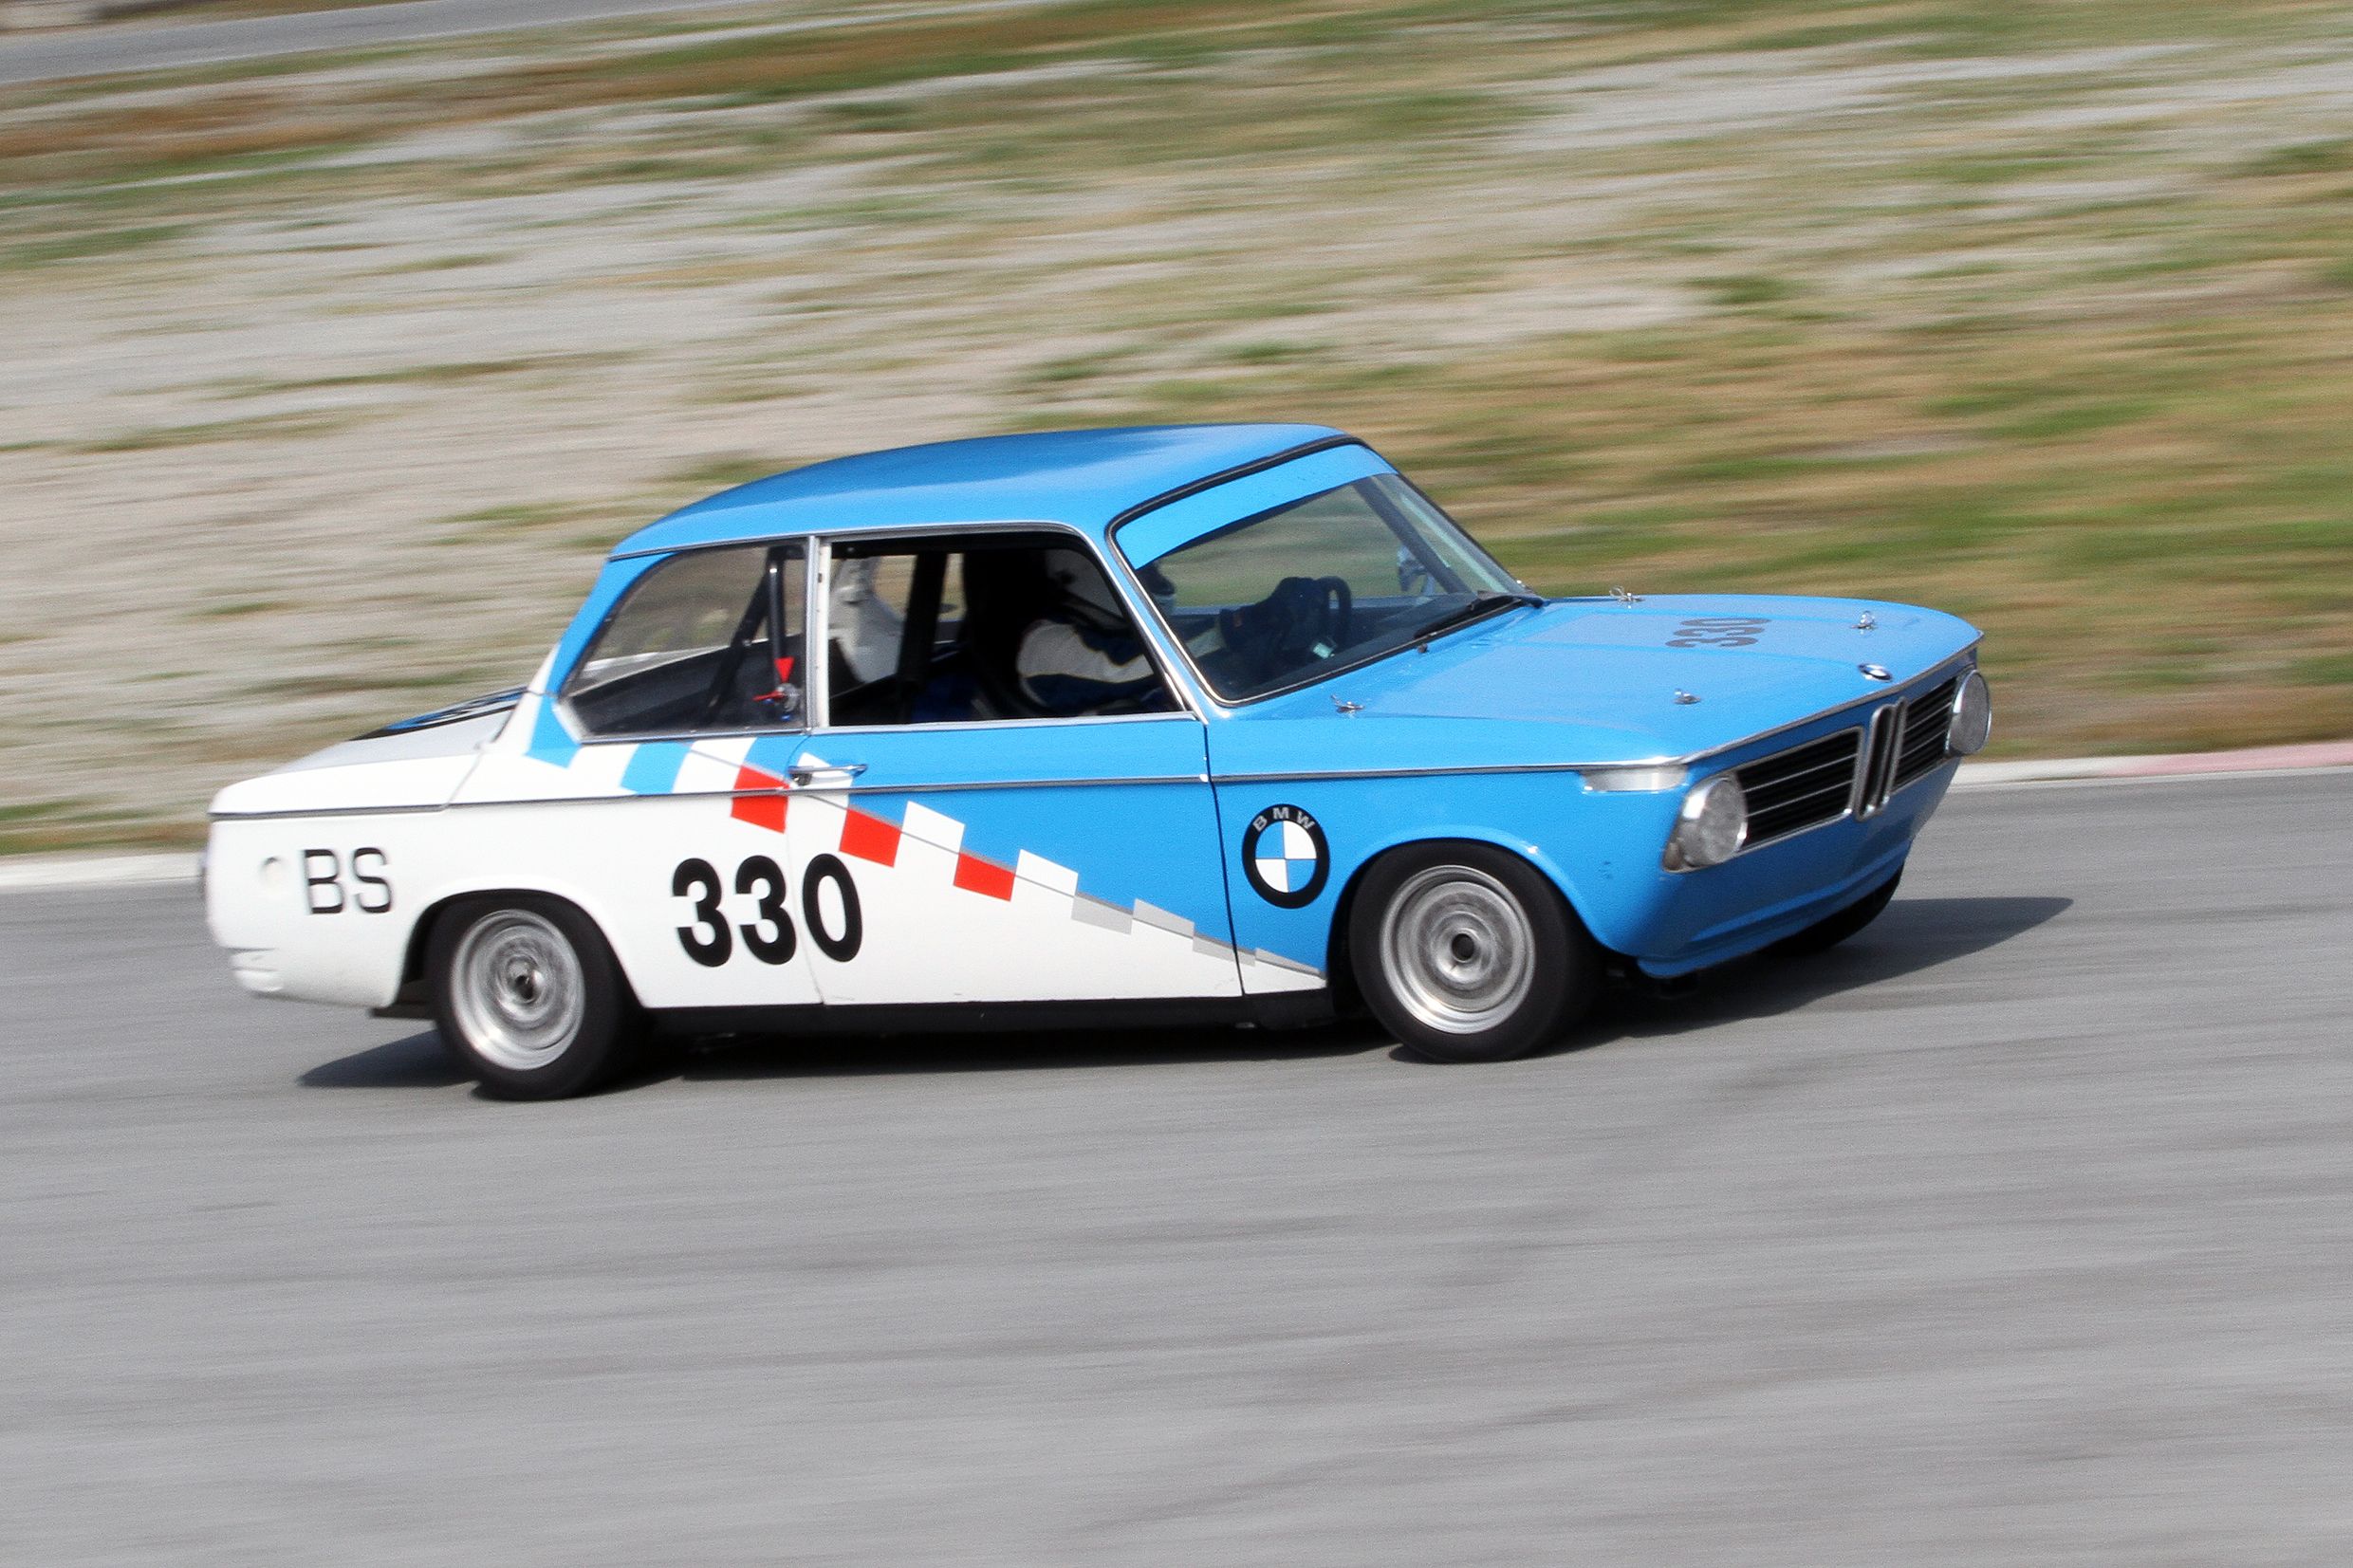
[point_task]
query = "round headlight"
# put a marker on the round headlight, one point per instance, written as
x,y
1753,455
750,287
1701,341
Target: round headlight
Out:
x,y
1712,824
1972,716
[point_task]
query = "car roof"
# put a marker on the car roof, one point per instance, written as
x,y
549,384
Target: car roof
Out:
x,y
1086,478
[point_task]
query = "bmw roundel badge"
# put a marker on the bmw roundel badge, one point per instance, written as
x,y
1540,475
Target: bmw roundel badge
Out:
x,y
1285,857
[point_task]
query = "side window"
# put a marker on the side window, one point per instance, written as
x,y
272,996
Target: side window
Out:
x,y
965,628
708,641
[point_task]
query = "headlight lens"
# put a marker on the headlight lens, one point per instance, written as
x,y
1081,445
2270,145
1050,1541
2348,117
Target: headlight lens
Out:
x,y
1972,716
1711,826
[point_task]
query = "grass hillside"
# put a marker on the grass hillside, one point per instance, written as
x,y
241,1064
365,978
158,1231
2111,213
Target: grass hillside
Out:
x,y
330,377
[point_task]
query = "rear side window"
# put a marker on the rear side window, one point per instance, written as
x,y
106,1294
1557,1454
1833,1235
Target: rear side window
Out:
x,y
973,627
708,641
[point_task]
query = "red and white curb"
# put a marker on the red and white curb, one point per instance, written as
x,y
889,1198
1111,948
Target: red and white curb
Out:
x,y
29,873
2261,759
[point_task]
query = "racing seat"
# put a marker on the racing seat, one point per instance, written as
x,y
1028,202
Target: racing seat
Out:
x,y
1006,591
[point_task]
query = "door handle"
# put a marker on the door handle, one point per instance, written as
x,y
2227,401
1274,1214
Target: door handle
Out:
x,y
826,775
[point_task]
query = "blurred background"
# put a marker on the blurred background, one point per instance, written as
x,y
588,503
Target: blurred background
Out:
x,y
330,373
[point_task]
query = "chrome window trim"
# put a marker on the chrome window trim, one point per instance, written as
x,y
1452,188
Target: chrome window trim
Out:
x,y
1209,694
821,639
562,696
817,633
1173,716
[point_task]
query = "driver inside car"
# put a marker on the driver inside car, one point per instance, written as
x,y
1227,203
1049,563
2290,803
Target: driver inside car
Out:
x,y
1082,655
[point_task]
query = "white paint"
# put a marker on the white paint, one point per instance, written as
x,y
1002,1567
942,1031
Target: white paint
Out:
x,y
33,873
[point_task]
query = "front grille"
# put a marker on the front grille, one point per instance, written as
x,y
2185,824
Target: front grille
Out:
x,y
1926,719
1802,787
1859,770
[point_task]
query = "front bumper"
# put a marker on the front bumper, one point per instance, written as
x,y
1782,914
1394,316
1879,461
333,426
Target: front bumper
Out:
x,y
1707,918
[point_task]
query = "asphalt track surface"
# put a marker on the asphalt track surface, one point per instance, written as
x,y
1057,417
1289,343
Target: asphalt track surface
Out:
x,y
163,46
2018,1231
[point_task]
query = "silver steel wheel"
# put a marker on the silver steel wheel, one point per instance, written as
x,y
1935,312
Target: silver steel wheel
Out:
x,y
517,989
1458,949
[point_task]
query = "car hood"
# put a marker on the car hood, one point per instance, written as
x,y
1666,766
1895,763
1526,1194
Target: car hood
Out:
x,y
1604,680
412,763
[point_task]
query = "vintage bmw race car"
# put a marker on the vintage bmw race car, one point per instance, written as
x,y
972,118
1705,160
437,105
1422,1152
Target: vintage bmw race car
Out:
x,y
797,760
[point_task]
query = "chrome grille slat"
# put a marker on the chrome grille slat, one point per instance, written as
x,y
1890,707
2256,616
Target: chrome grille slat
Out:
x,y
1855,772
1837,786
1926,718
1871,788
1839,767
1802,787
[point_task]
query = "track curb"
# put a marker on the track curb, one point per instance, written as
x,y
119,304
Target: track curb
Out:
x,y
32,873
2184,765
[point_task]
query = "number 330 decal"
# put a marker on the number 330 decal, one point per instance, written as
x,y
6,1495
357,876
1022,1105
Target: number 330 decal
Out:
x,y
769,936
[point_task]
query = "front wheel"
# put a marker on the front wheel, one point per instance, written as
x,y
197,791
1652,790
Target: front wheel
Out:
x,y
1467,953
526,993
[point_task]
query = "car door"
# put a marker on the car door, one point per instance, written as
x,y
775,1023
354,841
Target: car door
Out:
x,y
653,787
954,852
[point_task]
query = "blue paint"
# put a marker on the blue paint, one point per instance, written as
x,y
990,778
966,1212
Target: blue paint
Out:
x,y
1476,735
774,754
611,585
1126,841
1082,478
551,742
1165,529
1591,681
654,767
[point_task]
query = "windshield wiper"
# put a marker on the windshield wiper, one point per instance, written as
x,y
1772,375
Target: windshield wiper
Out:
x,y
1481,602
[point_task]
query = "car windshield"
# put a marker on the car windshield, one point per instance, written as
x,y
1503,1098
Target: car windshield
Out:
x,y
1278,600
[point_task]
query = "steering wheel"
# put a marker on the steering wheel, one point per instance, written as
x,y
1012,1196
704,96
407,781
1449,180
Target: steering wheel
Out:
x,y
1339,607
1304,619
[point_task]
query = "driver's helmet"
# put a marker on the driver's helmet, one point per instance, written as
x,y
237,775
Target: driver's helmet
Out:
x,y
1085,592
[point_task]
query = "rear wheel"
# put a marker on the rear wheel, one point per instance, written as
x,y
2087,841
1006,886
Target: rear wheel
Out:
x,y
528,994
1467,953
1830,930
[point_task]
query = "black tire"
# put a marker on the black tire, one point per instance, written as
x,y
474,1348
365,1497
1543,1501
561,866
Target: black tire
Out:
x,y
526,994
1831,930
1468,953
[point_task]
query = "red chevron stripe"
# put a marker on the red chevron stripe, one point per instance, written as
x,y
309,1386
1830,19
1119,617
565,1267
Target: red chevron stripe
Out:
x,y
975,875
869,837
766,811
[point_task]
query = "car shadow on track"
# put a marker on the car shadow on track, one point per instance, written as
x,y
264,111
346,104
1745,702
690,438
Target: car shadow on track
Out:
x,y
1022,1050
418,1061
1913,934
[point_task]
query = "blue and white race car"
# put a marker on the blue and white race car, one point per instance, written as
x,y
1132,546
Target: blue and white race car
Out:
x,y
1202,722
